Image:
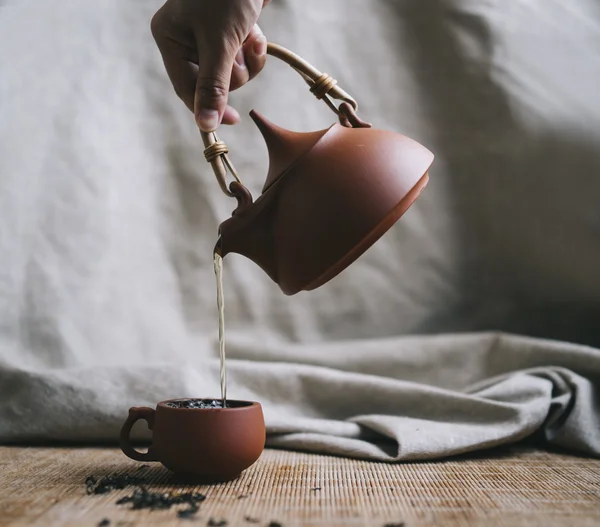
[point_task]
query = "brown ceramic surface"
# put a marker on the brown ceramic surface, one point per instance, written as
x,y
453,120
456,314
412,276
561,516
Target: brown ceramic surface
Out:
x,y
328,197
204,445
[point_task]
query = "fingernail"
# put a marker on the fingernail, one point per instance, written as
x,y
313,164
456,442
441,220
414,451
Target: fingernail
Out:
x,y
207,120
239,58
260,46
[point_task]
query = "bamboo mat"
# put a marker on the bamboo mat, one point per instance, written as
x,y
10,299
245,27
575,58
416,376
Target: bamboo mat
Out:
x,y
46,487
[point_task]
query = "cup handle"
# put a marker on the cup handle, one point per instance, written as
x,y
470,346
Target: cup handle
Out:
x,y
135,414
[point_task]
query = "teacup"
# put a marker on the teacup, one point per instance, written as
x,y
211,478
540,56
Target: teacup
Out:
x,y
207,445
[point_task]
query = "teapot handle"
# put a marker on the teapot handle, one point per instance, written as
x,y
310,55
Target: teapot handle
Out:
x,y
322,86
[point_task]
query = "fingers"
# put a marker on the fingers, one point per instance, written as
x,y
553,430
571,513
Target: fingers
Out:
x,y
212,85
250,59
231,116
239,73
176,55
255,51
222,66
183,76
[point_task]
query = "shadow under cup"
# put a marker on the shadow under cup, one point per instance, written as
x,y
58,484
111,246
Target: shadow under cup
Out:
x,y
206,445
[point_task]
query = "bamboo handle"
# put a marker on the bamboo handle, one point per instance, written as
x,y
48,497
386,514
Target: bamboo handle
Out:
x,y
322,86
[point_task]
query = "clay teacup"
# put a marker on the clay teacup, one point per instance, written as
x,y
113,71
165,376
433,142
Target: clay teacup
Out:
x,y
204,445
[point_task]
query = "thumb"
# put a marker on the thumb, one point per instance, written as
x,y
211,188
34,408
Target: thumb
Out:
x,y
212,86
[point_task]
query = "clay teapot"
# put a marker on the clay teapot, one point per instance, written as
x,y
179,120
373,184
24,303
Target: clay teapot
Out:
x,y
329,195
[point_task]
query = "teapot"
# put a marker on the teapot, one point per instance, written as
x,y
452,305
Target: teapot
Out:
x,y
329,195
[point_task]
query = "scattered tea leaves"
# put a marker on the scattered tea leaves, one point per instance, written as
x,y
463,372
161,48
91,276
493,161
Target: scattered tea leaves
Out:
x,y
188,513
107,484
142,498
275,524
399,524
250,519
216,523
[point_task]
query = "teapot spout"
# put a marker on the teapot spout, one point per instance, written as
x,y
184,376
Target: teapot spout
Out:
x,y
249,232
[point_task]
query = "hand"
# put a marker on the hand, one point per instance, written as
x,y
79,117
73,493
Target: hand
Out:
x,y
209,48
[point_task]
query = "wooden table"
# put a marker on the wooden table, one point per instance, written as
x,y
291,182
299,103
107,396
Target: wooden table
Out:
x,y
514,487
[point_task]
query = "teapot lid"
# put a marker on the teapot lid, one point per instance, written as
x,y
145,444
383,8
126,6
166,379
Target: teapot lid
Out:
x,y
285,147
